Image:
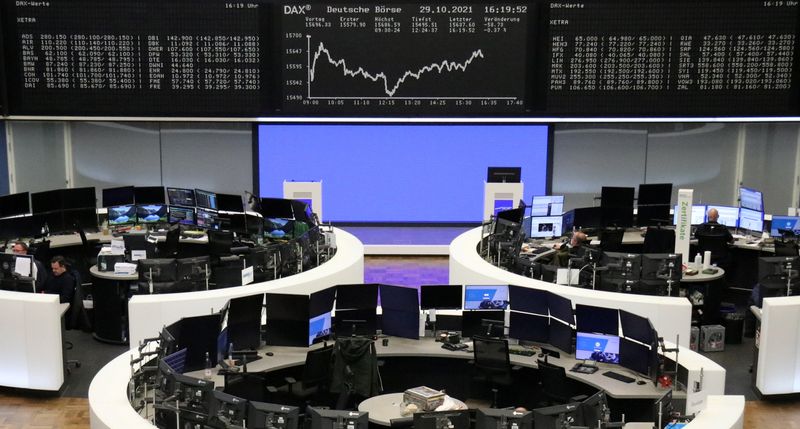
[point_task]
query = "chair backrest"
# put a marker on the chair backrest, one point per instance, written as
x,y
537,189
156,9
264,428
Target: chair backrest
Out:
x,y
317,370
491,354
554,382
611,239
659,240
785,248
170,246
220,243
77,317
715,243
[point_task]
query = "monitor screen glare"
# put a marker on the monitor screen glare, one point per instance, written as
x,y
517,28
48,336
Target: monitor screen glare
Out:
x,y
545,226
751,199
547,205
151,213
122,215
319,327
486,297
597,347
751,220
728,216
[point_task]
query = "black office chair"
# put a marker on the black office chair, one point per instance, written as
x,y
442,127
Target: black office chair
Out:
x,y
659,240
611,239
88,255
315,379
76,316
402,422
556,386
717,244
492,363
786,248
169,248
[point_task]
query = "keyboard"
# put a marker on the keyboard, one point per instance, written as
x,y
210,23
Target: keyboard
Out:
x,y
521,352
619,377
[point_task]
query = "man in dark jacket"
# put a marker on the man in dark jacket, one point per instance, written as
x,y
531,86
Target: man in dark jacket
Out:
x,y
60,282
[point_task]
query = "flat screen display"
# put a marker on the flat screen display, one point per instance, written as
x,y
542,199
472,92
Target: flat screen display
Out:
x,y
545,226
728,216
698,215
48,201
122,215
278,228
118,196
751,199
15,204
440,297
181,197
152,213
485,297
405,159
597,347
751,220
791,223
547,205
206,219
78,198
319,327
148,194
205,199
181,215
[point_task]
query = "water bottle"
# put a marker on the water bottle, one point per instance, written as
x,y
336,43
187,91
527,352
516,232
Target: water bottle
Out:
x,y
698,260
207,373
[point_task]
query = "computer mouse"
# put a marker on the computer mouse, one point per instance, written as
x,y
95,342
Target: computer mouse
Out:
x,y
639,382
269,353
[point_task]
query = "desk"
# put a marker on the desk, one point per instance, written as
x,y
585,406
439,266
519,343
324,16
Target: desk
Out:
x,y
110,300
701,277
383,409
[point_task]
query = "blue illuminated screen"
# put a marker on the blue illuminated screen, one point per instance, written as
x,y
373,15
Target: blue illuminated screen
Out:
x,y
400,173
698,215
791,223
596,347
485,297
728,216
319,327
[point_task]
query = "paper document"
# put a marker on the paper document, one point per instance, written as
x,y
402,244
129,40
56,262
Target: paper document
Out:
x,y
22,266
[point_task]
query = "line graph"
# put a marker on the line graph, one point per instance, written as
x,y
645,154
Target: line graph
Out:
x,y
439,67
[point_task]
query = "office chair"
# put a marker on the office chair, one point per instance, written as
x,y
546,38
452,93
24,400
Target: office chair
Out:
x,y
717,244
492,363
786,248
611,239
355,370
76,316
89,251
555,384
41,251
659,240
315,379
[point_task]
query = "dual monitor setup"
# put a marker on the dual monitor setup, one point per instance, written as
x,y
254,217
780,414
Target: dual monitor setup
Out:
x,y
17,272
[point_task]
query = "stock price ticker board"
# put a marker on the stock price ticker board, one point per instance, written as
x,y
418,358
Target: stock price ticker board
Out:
x,y
134,58
410,58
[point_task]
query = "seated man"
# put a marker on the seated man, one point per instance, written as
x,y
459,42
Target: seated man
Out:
x,y
572,249
712,227
60,282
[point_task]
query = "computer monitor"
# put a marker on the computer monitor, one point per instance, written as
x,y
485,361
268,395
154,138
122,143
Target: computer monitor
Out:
x,y
157,269
262,415
545,226
181,197
400,311
584,218
513,216
47,201
636,327
594,410
8,265
337,419
230,203
15,204
277,208
626,266
151,214
653,215
560,335
662,266
357,296
206,219
528,299
244,322
479,297
616,204
181,215
148,194
547,205
78,198
698,215
728,216
503,418
504,174
529,327
122,215
456,419
654,194
560,308
229,410
195,393
600,320
751,220
121,196
472,322
302,212
637,357
440,297
278,228
557,416
787,223
779,273
319,328
85,218
205,199
287,320
597,347
751,199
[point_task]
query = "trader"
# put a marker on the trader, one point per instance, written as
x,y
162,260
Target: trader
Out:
x,y
60,282
21,248
572,249
712,227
